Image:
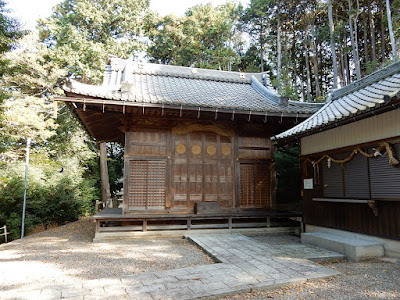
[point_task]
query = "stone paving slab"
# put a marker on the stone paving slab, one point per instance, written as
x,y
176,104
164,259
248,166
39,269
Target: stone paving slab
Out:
x,y
245,264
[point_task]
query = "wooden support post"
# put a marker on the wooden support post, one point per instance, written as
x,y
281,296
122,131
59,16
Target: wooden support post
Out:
x,y
144,228
268,222
230,222
97,226
189,224
105,184
5,233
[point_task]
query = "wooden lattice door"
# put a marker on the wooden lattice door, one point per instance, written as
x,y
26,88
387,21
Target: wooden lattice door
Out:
x,y
255,185
255,167
147,181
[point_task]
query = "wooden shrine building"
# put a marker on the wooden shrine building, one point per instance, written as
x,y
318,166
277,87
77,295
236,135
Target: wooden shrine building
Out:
x,y
350,151
191,136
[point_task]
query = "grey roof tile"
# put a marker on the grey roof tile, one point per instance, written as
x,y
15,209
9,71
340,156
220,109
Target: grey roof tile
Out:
x,y
159,84
366,94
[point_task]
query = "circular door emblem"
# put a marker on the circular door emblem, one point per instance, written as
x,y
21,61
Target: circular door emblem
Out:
x,y
211,150
226,150
196,149
180,149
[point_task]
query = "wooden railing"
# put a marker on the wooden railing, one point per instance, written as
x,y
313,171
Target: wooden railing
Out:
x,y
5,233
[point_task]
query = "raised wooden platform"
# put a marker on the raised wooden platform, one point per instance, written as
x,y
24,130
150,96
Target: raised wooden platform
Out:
x,y
113,220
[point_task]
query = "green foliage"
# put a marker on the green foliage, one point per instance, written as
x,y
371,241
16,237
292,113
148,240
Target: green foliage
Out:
x,y
284,86
10,33
63,162
29,110
250,60
10,30
203,38
287,166
256,19
52,197
83,33
115,164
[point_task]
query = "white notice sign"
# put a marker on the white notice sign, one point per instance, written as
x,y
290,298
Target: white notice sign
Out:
x,y
308,184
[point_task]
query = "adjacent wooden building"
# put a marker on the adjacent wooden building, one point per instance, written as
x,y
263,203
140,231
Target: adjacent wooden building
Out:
x,y
350,150
191,136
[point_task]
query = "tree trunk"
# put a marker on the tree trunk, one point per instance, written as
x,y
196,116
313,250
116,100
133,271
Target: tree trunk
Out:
x,y
347,67
105,183
354,42
316,71
303,95
383,40
262,49
346,64
302,76
333,49
372,32
341,69
365,37
279,46
294,63
391,33
308,73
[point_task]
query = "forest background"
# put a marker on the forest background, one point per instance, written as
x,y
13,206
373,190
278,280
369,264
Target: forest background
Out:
x,y
307,47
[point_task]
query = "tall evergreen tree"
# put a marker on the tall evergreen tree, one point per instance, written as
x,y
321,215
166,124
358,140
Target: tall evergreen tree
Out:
x,y
82,33
10,33
256,20
205,37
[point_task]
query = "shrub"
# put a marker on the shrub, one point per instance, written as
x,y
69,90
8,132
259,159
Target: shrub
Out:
x,y
52,197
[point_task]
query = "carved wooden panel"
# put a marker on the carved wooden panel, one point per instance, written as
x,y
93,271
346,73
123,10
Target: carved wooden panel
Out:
x,y
195,164
180,167
203,169
225,187
255,188
211,166
147,184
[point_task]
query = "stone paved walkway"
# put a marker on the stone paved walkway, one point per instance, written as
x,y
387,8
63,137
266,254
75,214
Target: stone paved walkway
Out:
x,y
245,264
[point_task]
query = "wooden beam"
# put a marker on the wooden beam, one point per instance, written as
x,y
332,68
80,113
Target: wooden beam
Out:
x,y
105,183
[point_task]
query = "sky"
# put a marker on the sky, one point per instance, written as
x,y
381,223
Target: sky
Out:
x,y
28,11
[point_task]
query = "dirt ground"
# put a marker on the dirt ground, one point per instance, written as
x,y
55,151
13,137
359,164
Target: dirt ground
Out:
x,y
68,251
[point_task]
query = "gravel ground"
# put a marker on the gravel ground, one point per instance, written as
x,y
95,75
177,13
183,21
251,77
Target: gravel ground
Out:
x,y
373,279
68,250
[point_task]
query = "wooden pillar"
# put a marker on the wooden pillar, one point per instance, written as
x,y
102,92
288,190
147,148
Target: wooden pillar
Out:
x,y
144,227
97,226
105,184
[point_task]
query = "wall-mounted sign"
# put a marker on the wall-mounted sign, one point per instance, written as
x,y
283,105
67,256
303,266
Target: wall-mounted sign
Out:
x,y
308,184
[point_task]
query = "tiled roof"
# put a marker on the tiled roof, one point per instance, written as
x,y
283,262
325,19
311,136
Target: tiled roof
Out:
x,y
362,96
159,84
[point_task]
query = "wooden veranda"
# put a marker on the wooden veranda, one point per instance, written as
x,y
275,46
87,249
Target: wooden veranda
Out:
x,y
113,220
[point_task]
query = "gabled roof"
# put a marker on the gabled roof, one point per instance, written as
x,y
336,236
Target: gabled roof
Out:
x,y
351,103
144,83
